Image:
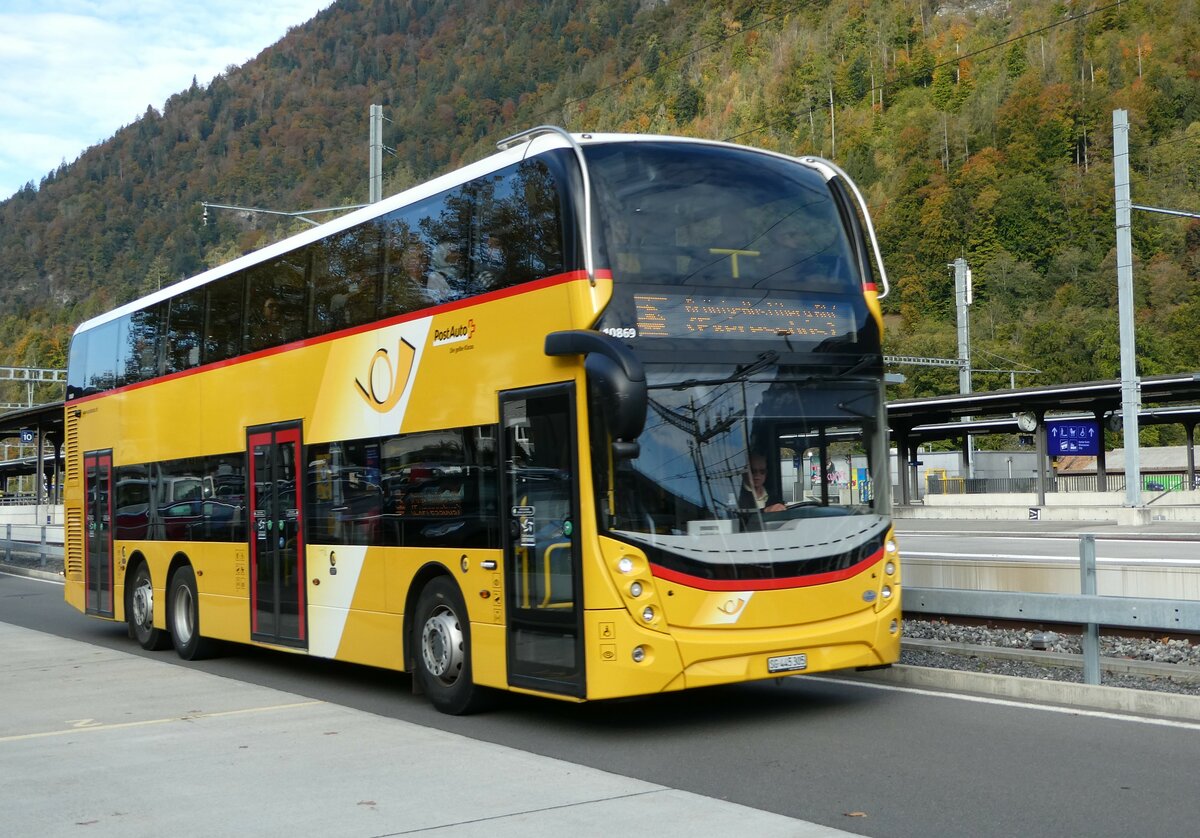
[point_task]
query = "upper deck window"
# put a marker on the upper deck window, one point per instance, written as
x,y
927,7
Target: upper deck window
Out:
x,y
712,246
696,215
497,231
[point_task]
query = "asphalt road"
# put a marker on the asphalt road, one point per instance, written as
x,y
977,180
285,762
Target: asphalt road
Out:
x,y
871,760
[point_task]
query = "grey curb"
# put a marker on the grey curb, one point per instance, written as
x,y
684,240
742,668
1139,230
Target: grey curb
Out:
x,y
1111,699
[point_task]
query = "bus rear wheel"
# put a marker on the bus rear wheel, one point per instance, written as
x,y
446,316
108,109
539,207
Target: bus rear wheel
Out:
x,y
139,612
442,645
183,616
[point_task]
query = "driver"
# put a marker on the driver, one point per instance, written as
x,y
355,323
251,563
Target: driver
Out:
x,y
755,495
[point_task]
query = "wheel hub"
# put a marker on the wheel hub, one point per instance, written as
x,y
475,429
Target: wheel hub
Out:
x,y
442,646
181,624
143,604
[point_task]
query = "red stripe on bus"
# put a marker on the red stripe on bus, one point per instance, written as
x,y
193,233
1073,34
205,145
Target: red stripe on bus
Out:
x,y
491,296
106,461
764,584
252,501
292,436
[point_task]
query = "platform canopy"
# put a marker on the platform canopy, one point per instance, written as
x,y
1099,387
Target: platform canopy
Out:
x,y
45,421
1165,399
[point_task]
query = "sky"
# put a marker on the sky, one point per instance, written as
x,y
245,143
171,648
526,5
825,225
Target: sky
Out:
x,y
73,72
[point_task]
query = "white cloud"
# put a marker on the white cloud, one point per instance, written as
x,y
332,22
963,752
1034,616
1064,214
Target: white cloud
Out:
x,y
72,72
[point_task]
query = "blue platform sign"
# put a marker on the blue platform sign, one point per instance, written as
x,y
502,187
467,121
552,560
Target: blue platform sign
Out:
x,y
1082,438
27,436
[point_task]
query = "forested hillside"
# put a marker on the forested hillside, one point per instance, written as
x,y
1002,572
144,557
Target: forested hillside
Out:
x,y
979,128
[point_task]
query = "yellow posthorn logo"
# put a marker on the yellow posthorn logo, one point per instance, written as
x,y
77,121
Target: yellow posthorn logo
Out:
x,y
732,606
724,608
386,377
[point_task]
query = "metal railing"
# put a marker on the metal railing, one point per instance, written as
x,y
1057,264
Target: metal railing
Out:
x,y
1060,484
18,500
30,541
1085,609
979,485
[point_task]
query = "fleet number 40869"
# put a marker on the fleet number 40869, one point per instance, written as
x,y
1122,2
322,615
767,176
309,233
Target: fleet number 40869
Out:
x,y
623,333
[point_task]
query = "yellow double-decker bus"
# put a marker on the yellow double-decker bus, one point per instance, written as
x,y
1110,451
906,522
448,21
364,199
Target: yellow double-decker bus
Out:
x,y
574,420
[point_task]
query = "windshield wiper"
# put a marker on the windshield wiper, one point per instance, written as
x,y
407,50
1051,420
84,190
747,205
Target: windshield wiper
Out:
x,y
862,363
766,359
740,373
854,411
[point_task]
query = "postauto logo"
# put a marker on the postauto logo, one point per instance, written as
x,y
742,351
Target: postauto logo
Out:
x,y
459,333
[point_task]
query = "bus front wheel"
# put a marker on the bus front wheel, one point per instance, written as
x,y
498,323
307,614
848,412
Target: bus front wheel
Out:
x,y
442,645
183,616
139,612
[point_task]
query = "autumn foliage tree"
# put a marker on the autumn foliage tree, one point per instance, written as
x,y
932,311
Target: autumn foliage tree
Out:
x,y
976,130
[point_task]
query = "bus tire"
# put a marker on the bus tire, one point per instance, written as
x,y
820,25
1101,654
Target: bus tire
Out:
x,y
442,650
139,612
183,616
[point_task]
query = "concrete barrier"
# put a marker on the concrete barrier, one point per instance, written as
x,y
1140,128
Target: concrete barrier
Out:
x,y
1182,507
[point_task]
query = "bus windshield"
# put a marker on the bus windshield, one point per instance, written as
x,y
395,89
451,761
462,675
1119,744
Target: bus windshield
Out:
x,y
776,477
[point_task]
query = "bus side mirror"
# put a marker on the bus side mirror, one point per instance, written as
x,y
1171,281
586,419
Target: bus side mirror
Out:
x,y
622,400
616,375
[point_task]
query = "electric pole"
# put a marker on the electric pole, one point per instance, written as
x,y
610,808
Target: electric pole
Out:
x,y
1131,385
963,299
375,192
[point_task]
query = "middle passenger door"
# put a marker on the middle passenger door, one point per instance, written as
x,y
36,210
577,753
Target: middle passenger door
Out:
x,y
277,574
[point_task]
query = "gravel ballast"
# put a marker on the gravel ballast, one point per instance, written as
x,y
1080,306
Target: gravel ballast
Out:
x,y
1156,664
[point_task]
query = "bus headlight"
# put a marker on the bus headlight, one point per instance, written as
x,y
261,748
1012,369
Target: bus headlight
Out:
x,y
890,568
886,593
625,565
639,654
648,614
635,590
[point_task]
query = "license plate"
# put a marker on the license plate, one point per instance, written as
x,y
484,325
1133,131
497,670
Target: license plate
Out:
x,y
787,663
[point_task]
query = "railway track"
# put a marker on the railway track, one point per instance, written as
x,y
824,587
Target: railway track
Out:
x,y
1133,662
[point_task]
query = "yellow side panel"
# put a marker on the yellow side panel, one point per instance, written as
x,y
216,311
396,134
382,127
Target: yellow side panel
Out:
x,y
610,638
221,569
489,654
74,593
369,637
222,617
